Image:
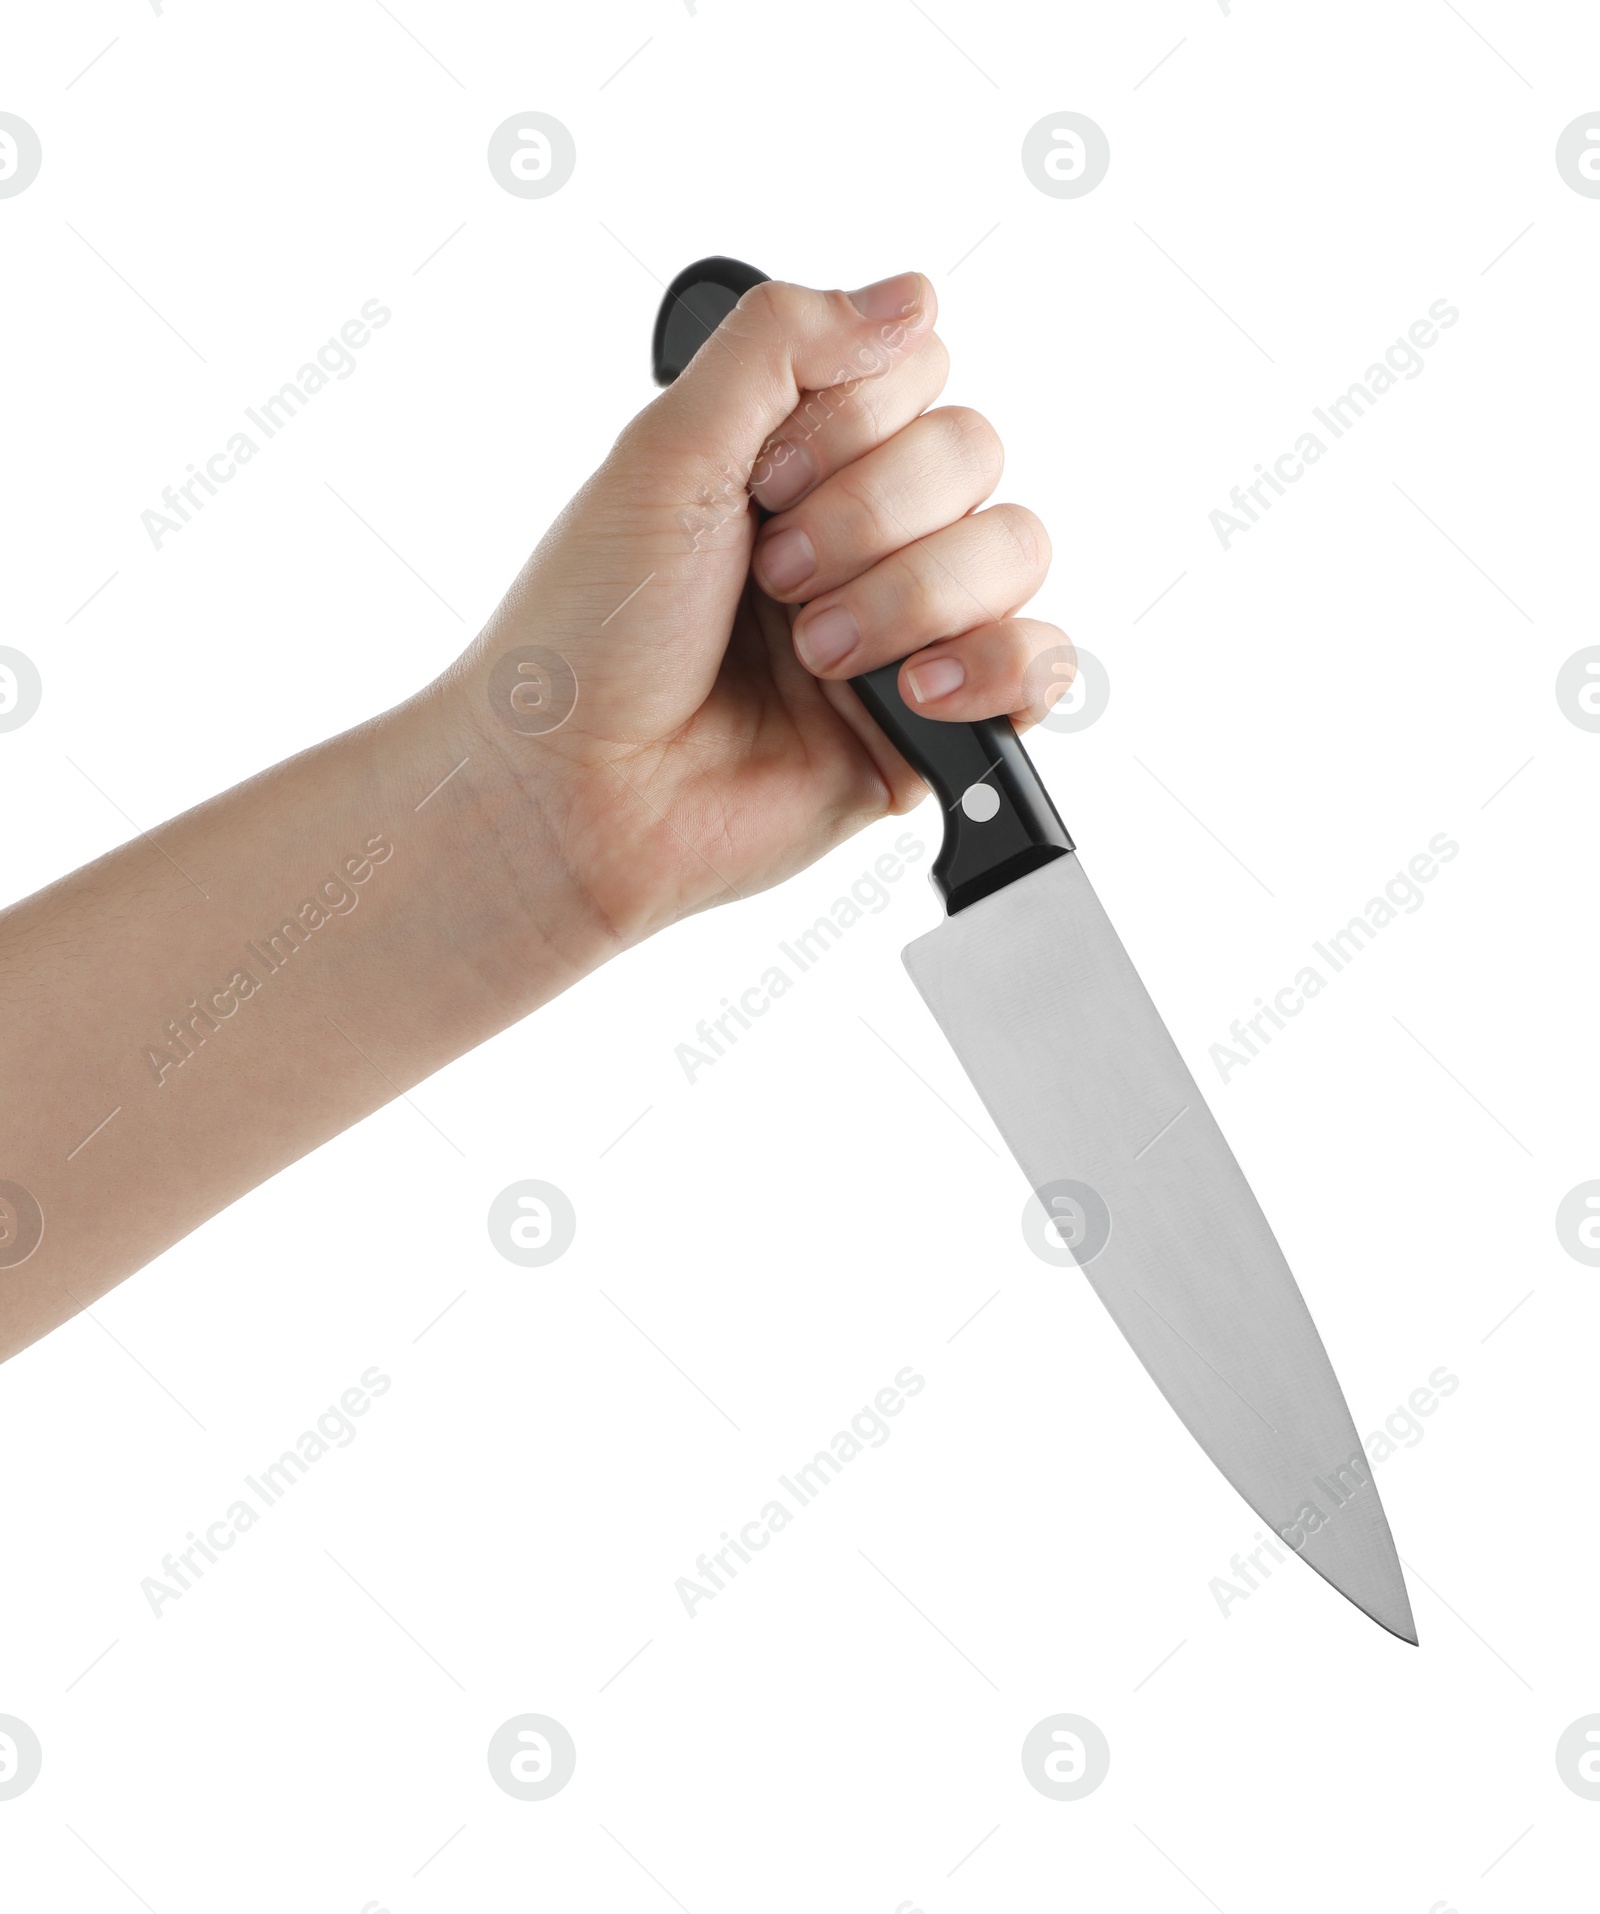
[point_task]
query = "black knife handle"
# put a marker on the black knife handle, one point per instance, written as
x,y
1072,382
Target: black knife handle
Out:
x,y
999,823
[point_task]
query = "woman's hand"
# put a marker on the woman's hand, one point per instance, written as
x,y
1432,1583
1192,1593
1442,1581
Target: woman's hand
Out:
x,y
715,747
640,731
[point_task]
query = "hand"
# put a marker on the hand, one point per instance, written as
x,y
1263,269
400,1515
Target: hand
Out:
x,y
239,984
715,746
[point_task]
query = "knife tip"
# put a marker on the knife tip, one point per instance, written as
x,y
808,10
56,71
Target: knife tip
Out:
x,y
1393,1618
1375,1584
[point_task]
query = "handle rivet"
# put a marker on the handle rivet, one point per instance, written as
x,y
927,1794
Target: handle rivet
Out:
x,y
980,802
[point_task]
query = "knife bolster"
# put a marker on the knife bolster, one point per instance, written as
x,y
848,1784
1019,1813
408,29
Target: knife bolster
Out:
x,y
999,822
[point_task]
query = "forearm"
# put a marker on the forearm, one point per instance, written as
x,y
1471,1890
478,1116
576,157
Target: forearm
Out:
x,y
202,1006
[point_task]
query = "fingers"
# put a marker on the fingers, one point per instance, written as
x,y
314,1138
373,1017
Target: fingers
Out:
x,y
828,430
973,573
779,343
889,559
932,472
1016,668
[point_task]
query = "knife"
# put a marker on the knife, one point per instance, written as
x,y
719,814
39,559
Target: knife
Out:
x,y
1042,1006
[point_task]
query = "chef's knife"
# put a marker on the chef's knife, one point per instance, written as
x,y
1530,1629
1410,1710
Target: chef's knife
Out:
x,y
1047,1015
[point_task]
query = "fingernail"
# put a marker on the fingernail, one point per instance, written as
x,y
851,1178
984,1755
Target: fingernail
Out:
x,y
786,560
782,473
936,678
895,298
822,641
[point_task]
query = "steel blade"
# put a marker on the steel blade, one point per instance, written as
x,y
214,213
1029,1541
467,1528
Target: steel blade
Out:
x,y
1050,1021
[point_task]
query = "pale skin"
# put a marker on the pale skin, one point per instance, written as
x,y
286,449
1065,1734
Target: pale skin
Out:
x,y
715,748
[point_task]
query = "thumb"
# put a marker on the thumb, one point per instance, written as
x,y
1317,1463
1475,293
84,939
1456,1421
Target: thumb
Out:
x,y
777,344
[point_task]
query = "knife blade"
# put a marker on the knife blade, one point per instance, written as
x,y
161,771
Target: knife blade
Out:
x,y
1031,985
1061,1041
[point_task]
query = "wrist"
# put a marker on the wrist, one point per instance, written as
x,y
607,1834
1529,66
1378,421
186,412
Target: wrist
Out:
x,y
589,829
492,832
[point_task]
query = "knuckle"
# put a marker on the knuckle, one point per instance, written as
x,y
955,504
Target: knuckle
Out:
x,y
972,440
914,595
775,307
1028,536
765,301
857,520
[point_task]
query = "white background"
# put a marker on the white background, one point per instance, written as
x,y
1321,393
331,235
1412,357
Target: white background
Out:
x,y
1288,726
